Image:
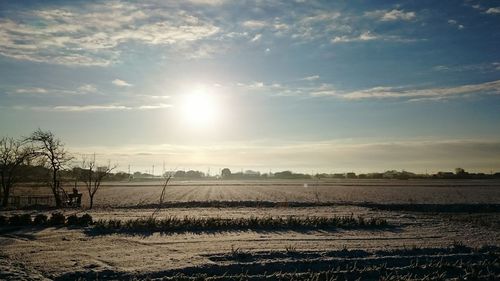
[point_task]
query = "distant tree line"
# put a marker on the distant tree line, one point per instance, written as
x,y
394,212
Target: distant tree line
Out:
x,y
405,175
392,174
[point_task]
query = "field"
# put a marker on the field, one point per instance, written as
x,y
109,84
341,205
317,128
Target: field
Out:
x,y
377,191
441,229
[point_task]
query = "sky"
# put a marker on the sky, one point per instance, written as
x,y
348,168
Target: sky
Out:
x,y
309,86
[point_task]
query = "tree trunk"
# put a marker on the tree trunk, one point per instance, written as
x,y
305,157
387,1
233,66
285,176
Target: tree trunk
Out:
x,y
57,198
55,189
91,201
5,198
2,188
6,187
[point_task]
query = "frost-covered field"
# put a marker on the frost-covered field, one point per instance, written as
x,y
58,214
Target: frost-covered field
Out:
x,y
445,242
114,194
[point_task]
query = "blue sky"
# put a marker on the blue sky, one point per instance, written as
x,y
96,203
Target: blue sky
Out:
x,y
327,86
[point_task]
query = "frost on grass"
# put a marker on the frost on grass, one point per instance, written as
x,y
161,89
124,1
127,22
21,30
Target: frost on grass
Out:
x,y
176,224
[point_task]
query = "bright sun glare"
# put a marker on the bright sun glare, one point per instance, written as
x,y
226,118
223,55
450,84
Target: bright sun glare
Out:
x,y
199,108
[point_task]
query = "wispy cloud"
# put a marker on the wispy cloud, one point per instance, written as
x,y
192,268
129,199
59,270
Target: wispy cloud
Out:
x,y
255,24
77,108
365,36
121,83
307,87
311,78
93,107
67,35
97,33
495,10
89,88
404,93
208,2
317,25
369,36
391,15
45,92
455,23
440,93
154,106
31,91
256,38
481,67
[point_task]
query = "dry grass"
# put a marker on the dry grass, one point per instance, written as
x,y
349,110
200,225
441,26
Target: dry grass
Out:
x,y
176,224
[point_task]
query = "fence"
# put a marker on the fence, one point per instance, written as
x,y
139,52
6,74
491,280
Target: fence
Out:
x,y
24,201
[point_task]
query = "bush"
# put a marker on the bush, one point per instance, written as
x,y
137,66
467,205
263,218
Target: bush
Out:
x,y
40,219
25,219
72,220
85,220
3,220
14,220
18,220
57,219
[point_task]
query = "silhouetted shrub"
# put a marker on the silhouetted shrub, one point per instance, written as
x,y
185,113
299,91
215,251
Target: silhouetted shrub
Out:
x,y
14,220
72,220
57,219
25,219
18,220
3,220
85,220
40,219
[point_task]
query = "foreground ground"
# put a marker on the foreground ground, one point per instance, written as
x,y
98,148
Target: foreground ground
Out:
x,y
443,242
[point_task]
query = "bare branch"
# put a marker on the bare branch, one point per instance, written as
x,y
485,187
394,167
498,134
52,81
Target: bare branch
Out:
x,y
93,175
53,155
13,153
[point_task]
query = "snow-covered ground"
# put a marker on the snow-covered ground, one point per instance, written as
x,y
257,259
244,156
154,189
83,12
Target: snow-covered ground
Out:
x,y
33,253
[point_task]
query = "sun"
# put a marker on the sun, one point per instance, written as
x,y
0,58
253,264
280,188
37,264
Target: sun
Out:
x,y
199,108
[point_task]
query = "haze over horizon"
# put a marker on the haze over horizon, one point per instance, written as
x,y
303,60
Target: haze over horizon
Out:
x,y
359,86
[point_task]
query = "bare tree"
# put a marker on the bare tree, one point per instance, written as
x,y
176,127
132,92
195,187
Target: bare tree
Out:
x,y
13,153
166,177
92,175
54,156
